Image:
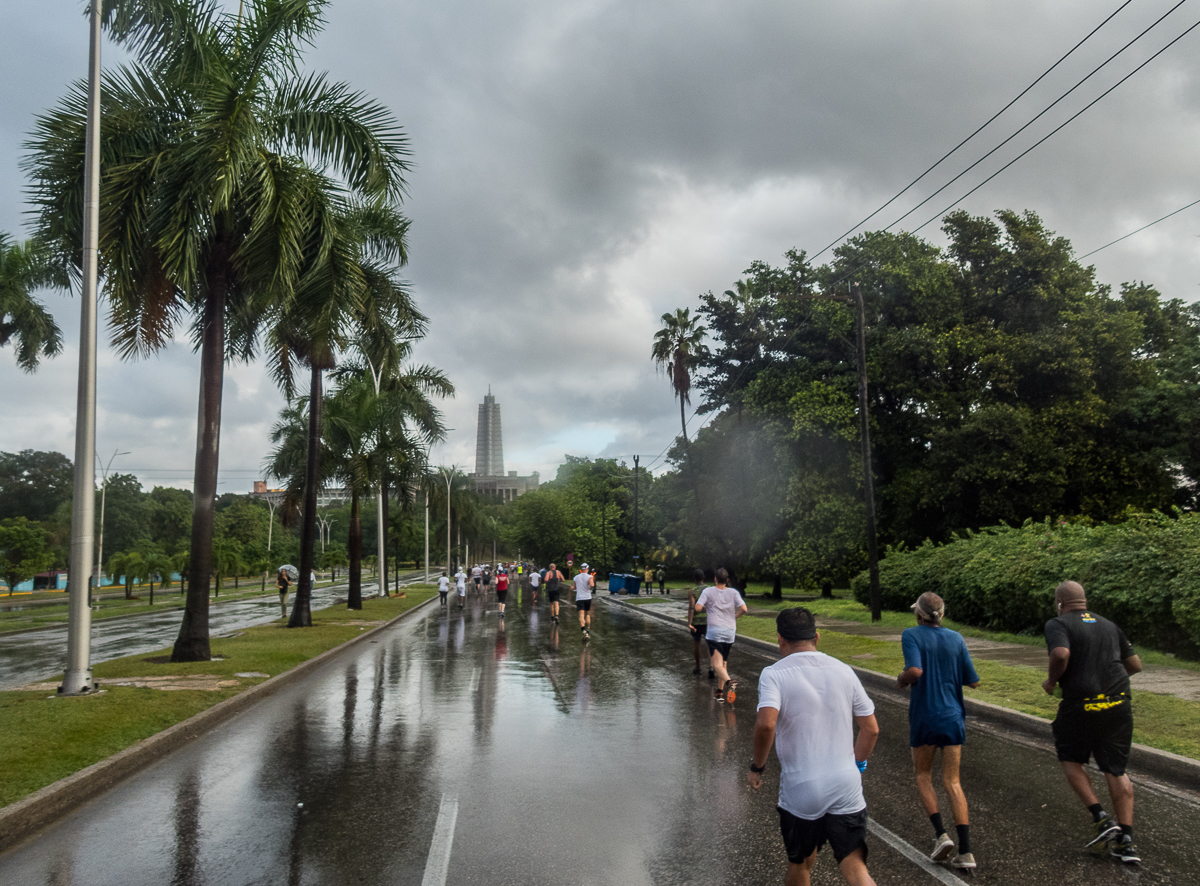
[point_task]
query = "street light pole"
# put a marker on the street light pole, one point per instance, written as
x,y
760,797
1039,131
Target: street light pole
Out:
x,y
77,676
449,476
100,540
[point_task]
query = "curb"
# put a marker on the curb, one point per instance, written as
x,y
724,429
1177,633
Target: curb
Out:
x,y
1174,769
22,819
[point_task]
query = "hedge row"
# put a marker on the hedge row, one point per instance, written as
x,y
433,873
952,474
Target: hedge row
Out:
x,y
1143,573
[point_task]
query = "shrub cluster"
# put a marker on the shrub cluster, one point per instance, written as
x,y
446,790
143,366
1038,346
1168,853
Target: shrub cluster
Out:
x,y
1143,573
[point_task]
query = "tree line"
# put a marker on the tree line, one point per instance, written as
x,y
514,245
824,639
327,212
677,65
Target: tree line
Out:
x,y
1006,383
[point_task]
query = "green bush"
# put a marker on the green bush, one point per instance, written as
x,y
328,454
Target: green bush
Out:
x,y
1143,573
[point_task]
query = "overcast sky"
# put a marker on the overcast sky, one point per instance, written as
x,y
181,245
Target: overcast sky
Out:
x,y
582,167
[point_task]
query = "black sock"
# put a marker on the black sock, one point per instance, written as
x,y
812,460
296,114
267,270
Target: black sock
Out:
x,y
964,838
1097,811
936,821
1127,830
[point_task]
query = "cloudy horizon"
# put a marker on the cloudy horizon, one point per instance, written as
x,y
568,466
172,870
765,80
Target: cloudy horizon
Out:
x,y
579,169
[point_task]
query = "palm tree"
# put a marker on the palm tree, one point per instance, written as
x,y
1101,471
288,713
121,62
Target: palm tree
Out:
x,y
349,293
23,268
678,346
212,145
129,564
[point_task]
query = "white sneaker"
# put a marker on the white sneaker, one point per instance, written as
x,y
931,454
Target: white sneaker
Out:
x,y
943,848
964,862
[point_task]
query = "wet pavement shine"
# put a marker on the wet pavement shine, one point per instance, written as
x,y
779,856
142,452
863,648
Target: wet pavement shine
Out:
x,y
457,750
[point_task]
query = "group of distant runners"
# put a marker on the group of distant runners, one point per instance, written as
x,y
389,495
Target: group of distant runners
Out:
x,y
551,578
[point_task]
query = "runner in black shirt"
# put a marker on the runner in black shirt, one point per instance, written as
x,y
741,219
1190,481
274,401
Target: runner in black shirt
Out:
x,y
1091,660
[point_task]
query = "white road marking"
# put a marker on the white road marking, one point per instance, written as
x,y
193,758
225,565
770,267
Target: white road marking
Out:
x,y
918,858
473,687
438,863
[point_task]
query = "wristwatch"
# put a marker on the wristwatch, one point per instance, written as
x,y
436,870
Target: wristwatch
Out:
x,y
758,769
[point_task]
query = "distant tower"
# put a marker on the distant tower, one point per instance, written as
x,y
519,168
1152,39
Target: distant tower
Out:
x,y
489,448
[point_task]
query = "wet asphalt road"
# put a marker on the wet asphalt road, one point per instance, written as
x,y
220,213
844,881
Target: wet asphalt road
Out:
x,y
37,655
450,751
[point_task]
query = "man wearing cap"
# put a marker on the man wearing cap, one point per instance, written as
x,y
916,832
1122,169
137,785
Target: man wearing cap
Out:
x,y
937,666
1092,661
808,705
584,583
723,606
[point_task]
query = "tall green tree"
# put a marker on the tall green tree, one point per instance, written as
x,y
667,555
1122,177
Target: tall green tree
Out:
x,y
34,484
25,322
678,348
23,551
213,146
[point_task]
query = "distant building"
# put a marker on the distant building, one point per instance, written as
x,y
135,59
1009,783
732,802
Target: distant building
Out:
x,y
327,497
489,477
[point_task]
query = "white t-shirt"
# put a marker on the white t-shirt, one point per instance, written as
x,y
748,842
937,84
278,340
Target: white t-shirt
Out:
x,y
460,579
477,572
583,589
444,585
722,605
818,698
534,579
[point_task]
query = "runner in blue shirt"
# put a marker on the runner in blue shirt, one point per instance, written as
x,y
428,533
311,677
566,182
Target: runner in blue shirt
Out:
x,y
937,665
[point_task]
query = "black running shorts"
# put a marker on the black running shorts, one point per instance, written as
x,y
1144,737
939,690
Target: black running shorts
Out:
x,y
584,605
723,648
699,629
502,596
552,596
844,833
1105,734
478,582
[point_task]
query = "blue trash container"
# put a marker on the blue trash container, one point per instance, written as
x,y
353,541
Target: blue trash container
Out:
x,y
616,582
633,584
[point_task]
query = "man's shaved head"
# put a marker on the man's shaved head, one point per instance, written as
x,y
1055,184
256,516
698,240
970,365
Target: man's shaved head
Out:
x,y
1069,594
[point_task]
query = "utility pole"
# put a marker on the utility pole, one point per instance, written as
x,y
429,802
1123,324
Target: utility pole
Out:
x,y
426,532
635,512
77,676
868,478
604,533
272,504
449,477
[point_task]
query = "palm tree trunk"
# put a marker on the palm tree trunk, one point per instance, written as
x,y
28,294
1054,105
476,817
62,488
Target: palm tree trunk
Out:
x,y
683,423
302,610
354,598
192,642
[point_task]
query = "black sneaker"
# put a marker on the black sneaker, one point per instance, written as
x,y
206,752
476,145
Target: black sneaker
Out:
x,y
1106,829
696,671
1123,850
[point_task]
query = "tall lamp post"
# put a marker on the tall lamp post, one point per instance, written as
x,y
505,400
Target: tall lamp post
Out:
x,y
448,474
77,676
100,541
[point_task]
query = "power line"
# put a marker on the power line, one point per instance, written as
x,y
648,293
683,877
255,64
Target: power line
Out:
x,y
1056,130
988,122
1139,230
1044,110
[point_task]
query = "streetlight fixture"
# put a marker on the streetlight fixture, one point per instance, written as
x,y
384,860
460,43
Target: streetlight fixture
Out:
x,y
448,474
100,542
77,676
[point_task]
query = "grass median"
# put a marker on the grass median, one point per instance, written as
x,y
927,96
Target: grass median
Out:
x,y
43,738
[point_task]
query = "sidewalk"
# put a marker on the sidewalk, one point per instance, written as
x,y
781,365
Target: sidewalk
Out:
x,y
1178,682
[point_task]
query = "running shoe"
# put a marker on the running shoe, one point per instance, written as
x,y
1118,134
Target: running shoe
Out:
x,y
1124,850
943,848
696,671
964,862
1106,829
730,691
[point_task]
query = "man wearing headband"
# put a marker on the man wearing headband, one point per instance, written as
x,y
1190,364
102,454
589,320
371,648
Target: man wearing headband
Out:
x,y
808,705
937,665
1092,661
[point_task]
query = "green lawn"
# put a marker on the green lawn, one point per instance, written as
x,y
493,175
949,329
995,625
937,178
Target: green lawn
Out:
x,y
43,739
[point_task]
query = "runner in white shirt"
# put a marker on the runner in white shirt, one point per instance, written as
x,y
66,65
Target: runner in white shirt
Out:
x,y
477,574
808,704
460,585
724,606
584,583
443,590
534,580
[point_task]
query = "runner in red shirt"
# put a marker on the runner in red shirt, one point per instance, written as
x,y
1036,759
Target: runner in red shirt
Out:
x,y
501,590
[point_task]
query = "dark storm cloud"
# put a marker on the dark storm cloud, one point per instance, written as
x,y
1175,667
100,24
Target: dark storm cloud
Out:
x,y
580,168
